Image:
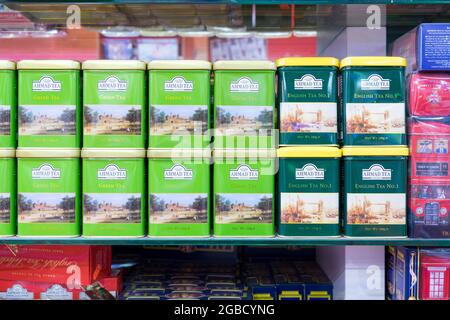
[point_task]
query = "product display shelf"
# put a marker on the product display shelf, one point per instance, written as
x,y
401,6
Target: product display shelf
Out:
x,y
272,2
221,241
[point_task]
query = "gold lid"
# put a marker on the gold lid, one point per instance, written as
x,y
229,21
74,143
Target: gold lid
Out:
x,y
48,65
244,65
373,61
7,65
7,153
47,153
114,65
244,153
309,152
375,151
179,153
307,62
112,153
179,65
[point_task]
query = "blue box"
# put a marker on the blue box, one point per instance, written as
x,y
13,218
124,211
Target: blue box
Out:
x,y
426,47
391,256
407,273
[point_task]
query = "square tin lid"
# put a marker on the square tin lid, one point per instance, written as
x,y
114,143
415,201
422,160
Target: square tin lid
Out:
x,y
48,65
244,65
114,65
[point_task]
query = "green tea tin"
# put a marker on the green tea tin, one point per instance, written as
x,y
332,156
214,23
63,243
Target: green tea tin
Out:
x,y
373,101
179,99
244,184
49,192
114,98
307,100
374,193
114,192
244,104
49,104
308,191
8,104
8,204
179,189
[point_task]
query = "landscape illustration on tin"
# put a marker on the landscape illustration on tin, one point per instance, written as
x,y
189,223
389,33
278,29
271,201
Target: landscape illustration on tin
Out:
x,y
46,207
167,120
5,120
320,208
308,117
5,203
178,208
243,208
47,120
376,208
111,119
112,208
375,118
243,120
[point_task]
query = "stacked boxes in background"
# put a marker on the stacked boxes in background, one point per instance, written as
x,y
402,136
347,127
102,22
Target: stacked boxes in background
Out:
x,y
179,153
244,148
49,141
309,159
114,141
374,139
39,272
416,273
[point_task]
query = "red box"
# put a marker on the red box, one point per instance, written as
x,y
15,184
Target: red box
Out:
x,y
429,94
57,264
435,275
429,144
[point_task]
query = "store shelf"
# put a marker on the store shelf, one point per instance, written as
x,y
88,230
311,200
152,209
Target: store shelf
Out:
x,y
300,2
277,241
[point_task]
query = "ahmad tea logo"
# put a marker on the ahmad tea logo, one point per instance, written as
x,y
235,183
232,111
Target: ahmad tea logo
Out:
x,y
309,172
178,84
178,172
376,172
46,171
244,84
112,83
17,292
56,292
375,82
46,84
308,82
111,172
244,172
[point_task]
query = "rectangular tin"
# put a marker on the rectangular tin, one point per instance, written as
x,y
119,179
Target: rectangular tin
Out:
x,y
179,192
8,193
8,104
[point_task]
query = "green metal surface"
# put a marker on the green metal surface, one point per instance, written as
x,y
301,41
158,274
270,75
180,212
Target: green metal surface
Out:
x,y
220,241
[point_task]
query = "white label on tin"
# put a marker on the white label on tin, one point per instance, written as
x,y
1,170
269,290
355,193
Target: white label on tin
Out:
x,y
376,172
16,292
309,172
56,292
178,84
112,83
45,171
244,84
178,172
308,82
244,172
375,82
111,172
46,84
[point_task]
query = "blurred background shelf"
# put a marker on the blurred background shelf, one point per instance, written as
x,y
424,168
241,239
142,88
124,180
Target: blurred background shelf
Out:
x,y
277,241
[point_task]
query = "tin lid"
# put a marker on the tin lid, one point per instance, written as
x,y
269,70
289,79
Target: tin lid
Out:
x,y
47,153
114,65
244,65
375,151
308,62
244,153
112,153
7,153
179,65
7,65
309,152
373,61
48,65
179,153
